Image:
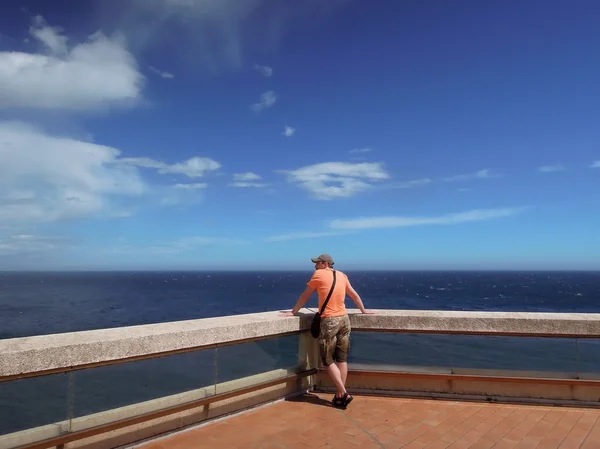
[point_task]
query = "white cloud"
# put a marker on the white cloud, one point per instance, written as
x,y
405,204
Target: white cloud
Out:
x,y
551,168
45,178
264,69
595,164
267,100
360,150
162,74
397,222
481,174
201,185
330,180
97,73
289,131
247,179
301,236
195,167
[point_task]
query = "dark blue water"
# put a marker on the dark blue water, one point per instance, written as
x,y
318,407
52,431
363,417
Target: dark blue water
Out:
x,y
44,303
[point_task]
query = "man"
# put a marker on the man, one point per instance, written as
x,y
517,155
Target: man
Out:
x,y
334,339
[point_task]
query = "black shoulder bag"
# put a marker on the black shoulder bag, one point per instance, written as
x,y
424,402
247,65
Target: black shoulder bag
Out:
x,y
315,327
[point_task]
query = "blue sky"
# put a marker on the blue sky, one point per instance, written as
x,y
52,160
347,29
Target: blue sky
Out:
x,y
188,134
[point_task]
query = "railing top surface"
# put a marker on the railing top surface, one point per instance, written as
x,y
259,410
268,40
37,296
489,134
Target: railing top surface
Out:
x,y
44,353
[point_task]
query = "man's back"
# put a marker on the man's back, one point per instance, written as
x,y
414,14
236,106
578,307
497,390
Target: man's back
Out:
x,y
321,281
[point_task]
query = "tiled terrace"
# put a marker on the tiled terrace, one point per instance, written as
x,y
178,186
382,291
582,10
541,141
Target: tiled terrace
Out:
x,y
385,422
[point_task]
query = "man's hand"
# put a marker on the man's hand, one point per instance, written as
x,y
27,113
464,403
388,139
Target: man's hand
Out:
x,y
370,312
286,314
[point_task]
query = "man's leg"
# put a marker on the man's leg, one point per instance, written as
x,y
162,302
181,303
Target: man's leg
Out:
x,y
343,368
335,375
342,348
328,347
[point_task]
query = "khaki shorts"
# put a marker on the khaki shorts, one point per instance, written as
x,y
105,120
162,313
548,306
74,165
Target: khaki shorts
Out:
x,y
334,339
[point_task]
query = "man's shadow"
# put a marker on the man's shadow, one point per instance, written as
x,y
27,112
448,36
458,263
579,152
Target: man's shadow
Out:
x,y
309,398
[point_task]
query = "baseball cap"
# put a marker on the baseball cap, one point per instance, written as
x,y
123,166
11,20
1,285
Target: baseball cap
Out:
x,y
323,258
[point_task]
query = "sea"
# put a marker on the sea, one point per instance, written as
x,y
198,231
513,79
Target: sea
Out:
x,y
41,303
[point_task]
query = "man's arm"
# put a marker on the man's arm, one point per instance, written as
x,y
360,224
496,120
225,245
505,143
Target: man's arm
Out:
x,y
304,297
355,297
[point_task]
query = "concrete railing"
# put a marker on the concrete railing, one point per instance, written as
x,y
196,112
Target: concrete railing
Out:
x,y
45,354
21,358
583,325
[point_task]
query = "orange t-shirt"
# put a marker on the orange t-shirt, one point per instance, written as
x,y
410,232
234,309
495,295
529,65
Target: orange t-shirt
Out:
x,y
321,281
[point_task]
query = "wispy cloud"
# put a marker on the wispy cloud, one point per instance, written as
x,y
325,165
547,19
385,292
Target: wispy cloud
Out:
x,y
244,184
330,180
412,183
162,74
264,69
302,236
595,164
51,37
399,221
289,131
27,243
173,247
247,176
481,174
94,74
551,168
267,100
247,179
195,167
200,185
121,214
348,226
222,33
196,241
360,150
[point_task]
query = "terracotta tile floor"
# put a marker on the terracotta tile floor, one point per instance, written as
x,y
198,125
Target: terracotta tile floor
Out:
x,y
377,422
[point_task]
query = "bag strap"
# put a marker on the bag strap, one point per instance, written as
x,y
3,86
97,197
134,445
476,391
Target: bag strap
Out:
x,y
329,295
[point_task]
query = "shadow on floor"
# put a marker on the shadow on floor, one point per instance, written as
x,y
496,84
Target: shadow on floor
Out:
x,y
311,399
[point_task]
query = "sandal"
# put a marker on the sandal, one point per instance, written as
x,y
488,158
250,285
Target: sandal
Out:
x,y
343,401
337,402
346,399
